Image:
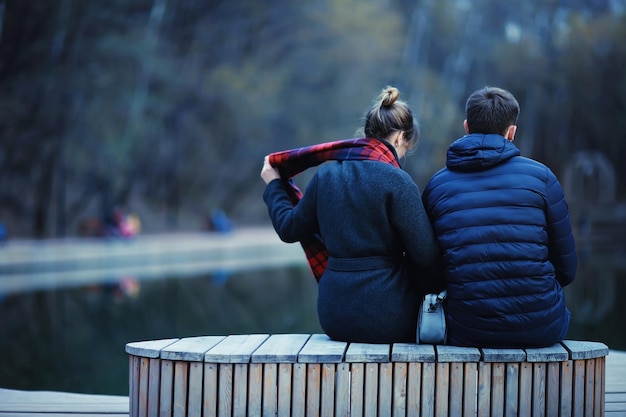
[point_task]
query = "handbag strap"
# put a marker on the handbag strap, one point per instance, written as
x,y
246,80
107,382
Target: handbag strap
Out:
x,y
442,296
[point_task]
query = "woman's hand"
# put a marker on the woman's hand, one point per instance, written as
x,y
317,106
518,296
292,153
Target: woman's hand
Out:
x,y
269,173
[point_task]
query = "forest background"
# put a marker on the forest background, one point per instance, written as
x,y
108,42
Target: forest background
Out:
x,y
167,107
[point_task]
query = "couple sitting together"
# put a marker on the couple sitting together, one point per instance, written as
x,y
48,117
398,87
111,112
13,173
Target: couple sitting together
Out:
x,y
491,227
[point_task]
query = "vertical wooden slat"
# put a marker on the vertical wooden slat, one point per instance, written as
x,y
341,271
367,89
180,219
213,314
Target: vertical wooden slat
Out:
x,y
484,389
327,404
590,374
240,389
511,397
539,389
209,392
497,389
357,388
225,390
284,389
255,389
578,400
599,388
144,376
428,390
167,388
342,400
181,374
567,387
133,385
552,388
525,389
194,405
414,389
270,389
442,388
370,400
385,388
456,391
313,389
470,389
299,390
400,373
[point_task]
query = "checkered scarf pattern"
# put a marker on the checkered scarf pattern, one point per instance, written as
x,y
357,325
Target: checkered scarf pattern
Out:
x,y
292,162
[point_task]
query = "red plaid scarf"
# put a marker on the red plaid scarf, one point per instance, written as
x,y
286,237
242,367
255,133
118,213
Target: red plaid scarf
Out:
x,y
292,162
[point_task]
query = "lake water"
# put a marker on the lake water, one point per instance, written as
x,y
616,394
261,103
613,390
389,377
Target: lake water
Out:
x,y
73,339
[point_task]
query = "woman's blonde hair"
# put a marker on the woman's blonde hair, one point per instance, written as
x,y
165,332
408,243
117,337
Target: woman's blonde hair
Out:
x,y
389,114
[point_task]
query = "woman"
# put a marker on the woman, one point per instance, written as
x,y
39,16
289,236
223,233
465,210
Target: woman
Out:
x,y
372,226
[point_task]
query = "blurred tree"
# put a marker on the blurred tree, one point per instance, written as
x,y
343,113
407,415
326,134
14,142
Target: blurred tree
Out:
x,y
169,107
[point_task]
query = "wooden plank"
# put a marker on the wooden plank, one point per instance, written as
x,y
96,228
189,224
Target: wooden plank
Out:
x,y
385,389
414,388
428,390
566,388
153,386
270,389
585,350
133,384
503,355
235,348
327,404
599,394
322,349
590,374
411,352
190,349
370,399
442,388
167,388
209,394
457,354
367,352
313,389
400,373
299,390
194,404
148,349
357,388
578,379
497,389
280,348
240,389
484,389
553,384
555,353
539,389
511,396
255,389
470,389
225,390
284,389
455,400
525,389
342,400
181,375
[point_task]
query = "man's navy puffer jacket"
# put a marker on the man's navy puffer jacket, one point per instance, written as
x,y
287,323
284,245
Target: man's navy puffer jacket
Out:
x,y
508,249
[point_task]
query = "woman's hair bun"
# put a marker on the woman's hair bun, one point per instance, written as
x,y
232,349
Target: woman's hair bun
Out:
x,y
389,96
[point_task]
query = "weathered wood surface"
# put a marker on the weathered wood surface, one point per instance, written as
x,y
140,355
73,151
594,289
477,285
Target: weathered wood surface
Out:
x,y
305,374
51,404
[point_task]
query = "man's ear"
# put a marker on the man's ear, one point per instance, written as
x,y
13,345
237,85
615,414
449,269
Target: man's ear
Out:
x,y
510,133
465,126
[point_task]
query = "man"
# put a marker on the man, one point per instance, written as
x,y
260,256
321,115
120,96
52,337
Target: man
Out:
x,y
503,225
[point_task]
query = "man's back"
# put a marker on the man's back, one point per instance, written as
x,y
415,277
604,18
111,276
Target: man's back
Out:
x,y
508,249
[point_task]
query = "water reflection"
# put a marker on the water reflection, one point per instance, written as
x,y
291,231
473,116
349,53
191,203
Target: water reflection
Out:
x,y
73,339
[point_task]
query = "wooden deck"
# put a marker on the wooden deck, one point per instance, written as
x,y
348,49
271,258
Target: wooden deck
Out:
x,y
52,404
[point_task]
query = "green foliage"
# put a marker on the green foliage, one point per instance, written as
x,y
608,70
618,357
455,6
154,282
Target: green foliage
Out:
x,y
169,107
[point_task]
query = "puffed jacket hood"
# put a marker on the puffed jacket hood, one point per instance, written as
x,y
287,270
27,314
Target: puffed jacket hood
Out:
x,y
476,152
